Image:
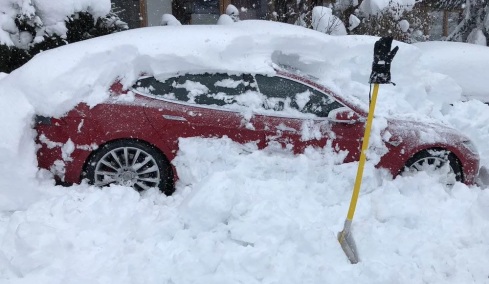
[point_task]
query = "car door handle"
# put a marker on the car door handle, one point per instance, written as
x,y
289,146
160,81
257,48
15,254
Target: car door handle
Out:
x,y
174,117
285,128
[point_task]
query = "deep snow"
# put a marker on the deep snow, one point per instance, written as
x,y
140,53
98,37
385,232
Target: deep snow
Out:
x,y
239,215
465,63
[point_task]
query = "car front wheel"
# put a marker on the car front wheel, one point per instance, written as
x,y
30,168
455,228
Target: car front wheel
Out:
x,y
435,161
129,163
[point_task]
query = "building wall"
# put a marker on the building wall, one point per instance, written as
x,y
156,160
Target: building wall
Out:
x,y
156,9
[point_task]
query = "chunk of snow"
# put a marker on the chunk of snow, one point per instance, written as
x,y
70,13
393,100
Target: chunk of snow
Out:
x,y
476,36
232,11
225,20
404,25
67,149
353,21
169,20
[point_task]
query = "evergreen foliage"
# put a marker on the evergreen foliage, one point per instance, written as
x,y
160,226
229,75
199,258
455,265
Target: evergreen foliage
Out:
x,y
475,18
32,39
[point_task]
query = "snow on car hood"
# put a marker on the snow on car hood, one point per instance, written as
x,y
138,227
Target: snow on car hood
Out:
x,y
425,132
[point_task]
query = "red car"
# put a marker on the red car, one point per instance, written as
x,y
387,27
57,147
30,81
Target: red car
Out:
x,y
132,137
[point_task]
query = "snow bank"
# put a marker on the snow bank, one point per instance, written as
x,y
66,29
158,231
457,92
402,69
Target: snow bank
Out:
x,y
238,215
242,215
463,62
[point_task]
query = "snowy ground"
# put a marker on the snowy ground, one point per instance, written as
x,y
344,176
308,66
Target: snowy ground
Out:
x,y
239,215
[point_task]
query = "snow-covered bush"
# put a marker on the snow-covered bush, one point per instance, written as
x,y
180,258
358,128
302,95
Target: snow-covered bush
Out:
x,y
30,27
401,20
383,23
322,20
474,26
231,16
232,12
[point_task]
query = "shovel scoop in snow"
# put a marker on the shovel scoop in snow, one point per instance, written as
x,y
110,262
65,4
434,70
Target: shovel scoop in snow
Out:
x,y
383,56
347,242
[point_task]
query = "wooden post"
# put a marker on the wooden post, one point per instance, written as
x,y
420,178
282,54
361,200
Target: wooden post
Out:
x,y
445,23
223,4
143,13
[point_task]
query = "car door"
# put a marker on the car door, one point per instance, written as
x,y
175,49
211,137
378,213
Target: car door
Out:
x,y
196,105
297,116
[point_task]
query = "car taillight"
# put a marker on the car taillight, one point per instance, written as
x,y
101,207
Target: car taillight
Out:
x,y
43,120
117,88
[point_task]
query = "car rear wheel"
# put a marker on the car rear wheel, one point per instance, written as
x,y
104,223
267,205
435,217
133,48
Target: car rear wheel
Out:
x,y
436,161
130,163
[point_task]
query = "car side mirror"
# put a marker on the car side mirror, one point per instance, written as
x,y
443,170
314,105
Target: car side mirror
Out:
x,y
344,115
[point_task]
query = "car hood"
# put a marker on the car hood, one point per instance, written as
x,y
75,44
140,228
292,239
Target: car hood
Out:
x,y
413,132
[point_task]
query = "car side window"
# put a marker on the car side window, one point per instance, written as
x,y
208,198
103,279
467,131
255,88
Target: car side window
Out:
x,y
282,94
209,89
152,86
204,89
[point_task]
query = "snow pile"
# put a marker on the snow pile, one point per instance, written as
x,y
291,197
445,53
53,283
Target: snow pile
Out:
x,y
477,36
242,215
224,19
239,215
463,62
232,12
169,20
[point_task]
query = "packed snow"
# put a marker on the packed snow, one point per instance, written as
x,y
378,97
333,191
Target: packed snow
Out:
x,y
239,215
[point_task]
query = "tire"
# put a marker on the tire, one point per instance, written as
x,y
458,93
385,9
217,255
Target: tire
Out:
x,y
130,163
435,159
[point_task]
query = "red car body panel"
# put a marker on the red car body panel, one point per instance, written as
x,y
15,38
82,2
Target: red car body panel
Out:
x,y
161,123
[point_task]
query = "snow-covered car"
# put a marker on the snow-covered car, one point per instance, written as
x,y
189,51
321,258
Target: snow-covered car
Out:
x,y
132,137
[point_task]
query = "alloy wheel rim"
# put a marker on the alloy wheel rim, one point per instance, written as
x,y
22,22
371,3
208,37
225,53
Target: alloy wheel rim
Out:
x,y
431,164
127,166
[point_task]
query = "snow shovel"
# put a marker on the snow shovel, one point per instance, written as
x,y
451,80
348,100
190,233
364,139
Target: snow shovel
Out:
x,y
380,75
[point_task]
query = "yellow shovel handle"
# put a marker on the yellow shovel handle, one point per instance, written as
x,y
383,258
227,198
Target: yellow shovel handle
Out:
x,y
363,155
